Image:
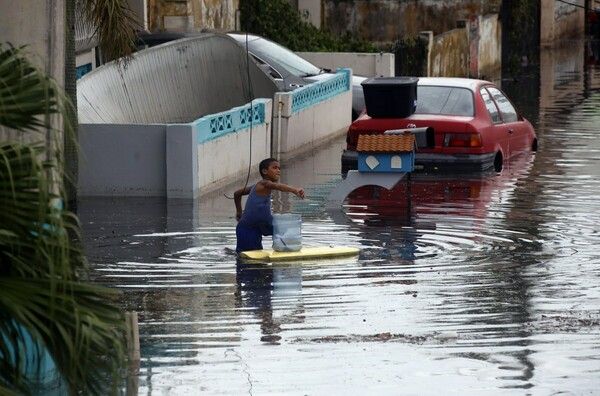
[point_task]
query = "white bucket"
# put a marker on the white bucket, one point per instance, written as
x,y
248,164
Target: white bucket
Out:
x,y
287,232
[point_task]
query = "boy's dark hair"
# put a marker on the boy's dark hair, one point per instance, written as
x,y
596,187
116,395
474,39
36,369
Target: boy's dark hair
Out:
x,y
264,164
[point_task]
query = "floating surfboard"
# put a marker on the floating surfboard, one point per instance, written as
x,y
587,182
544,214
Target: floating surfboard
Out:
x,y
306,252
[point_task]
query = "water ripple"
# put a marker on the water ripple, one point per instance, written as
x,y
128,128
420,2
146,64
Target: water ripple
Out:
x,y
472,283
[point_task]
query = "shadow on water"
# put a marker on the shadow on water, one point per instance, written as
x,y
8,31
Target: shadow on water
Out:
x,y
471,284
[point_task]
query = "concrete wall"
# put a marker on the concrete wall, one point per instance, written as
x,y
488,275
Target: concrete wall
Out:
x,y
197,164
449,55
490,46
362,64
45,38
186,160
234,157
296,131
125,160
191,15
385,21
485,46
474,51
39,25
311,8
559,20
166,160
140,12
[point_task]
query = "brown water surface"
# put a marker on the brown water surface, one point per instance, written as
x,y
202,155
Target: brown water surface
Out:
x,y
465,285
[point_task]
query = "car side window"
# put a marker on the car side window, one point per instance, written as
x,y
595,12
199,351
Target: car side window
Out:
x,y
507,110
268,68
490,106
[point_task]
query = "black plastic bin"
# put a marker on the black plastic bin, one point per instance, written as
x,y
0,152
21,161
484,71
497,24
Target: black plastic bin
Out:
x,y
390,97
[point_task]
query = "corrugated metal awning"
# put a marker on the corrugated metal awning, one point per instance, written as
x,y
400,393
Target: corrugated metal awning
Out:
x,y
176,82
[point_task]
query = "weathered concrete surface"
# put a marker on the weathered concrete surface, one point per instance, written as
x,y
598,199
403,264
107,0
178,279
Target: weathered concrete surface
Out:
x,y
450,54
489,46
385,21
40,26
192,15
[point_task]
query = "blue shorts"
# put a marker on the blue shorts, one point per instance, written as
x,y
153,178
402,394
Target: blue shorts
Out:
x,y
248,239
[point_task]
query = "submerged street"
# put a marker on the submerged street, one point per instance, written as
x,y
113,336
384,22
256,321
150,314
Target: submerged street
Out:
x,y
466,285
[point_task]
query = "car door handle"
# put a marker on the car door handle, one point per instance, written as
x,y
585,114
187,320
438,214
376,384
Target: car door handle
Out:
x,y
511,131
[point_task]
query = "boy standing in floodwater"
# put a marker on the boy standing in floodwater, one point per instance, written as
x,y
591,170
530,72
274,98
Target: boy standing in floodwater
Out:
x,y
257,220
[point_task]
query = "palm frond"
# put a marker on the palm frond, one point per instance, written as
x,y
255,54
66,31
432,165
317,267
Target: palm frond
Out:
x,y
108,17
79,327
25,94
40,289
46,306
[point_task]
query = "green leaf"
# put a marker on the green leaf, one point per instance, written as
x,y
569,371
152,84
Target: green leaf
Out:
x,y
44,291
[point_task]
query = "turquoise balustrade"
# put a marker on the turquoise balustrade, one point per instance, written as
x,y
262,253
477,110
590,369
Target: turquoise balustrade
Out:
x,y
319,91
216,125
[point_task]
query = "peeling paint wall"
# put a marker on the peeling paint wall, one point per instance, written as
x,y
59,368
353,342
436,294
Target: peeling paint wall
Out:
x,y
385,21
450,54
474,51
192,15
490,47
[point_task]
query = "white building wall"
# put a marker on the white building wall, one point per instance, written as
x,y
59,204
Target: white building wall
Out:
x,y
362,64
297,131
230,157
40,26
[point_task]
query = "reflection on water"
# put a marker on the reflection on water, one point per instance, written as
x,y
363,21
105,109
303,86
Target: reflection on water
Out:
x,y
432,215
273,294
478,284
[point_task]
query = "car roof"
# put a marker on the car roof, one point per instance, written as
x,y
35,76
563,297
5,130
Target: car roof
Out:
x,y
241,37
285,61
469,83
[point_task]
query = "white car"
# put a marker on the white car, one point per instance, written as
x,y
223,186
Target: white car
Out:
x,y
289,70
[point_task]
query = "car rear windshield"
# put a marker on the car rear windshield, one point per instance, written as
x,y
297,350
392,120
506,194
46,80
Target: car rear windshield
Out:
x,y
444,100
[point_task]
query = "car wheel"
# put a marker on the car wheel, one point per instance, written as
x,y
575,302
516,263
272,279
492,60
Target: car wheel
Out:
x,y
534,145
498,160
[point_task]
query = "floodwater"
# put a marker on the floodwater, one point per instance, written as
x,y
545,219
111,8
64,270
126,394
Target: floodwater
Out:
x,y
465,285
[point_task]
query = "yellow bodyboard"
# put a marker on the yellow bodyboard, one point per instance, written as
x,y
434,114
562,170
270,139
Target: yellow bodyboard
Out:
x,y
304,253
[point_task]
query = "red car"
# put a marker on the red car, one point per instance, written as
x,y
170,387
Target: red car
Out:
x,y
475,126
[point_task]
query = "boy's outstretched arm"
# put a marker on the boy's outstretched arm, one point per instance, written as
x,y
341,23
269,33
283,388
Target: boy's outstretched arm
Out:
x,y
299,192
237,199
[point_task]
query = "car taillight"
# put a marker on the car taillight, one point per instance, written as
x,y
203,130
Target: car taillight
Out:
x,y
462,140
